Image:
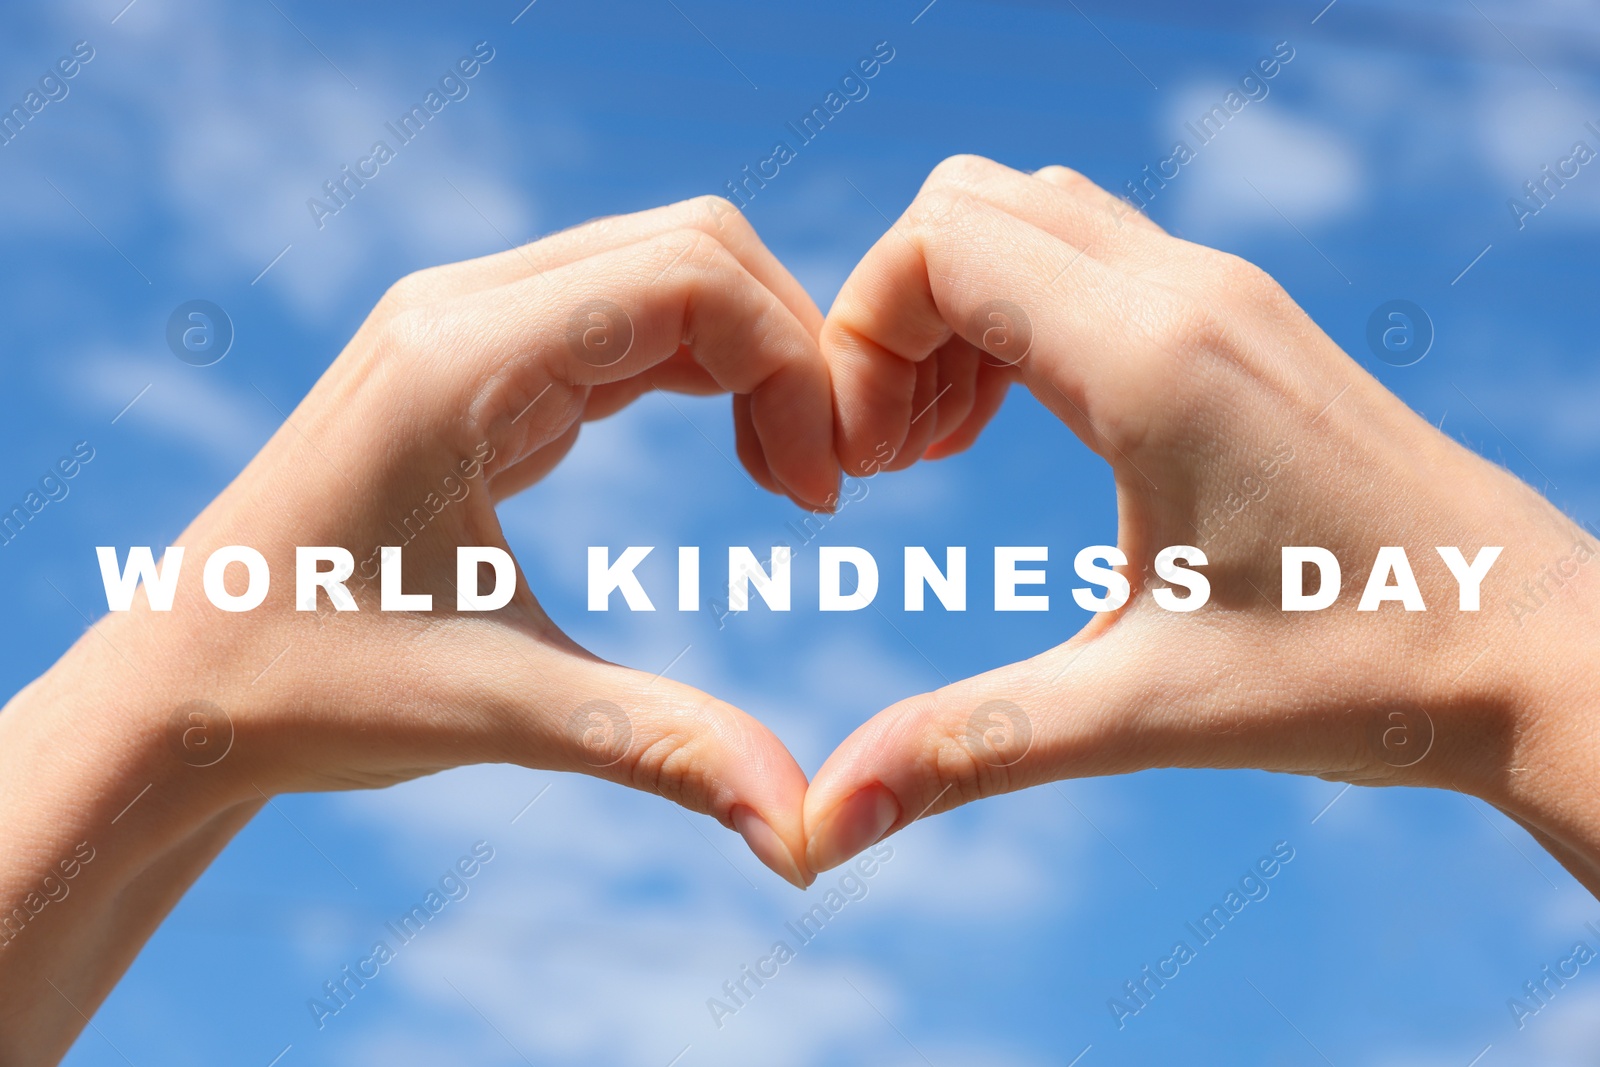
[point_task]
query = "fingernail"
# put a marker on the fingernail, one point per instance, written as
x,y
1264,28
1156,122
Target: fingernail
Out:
x,y
767,845
858,823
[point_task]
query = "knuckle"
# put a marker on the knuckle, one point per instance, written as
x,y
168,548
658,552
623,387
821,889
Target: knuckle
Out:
x,y
719,214
411,291
960,770
411,331
1192,330
1237,274
1065,177
1246,285
933,209
695,248
961,171
668,765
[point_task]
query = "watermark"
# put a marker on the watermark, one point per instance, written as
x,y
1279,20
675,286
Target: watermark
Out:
x,y
451,888
1401,737
852,886
853,88
999,733
1253,86
1542,189
52,88
602,730
1539,991
52,488
200,733
1003,330
1252,489
453,488
53,889
1252,887
600,333
453,86
1540,589
199,332
1399,332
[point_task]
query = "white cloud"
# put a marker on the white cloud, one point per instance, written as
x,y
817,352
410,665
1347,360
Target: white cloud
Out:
x,y
242,138
1526,128
181,404
1304,169
1567,1033
559,948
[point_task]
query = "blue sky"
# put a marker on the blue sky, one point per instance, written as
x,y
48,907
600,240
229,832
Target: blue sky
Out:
x,y
1379,167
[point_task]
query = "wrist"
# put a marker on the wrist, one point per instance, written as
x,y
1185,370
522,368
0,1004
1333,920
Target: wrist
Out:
x,y
1549,771
106,828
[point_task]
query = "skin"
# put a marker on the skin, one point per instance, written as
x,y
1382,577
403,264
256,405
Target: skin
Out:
x,y
1186,369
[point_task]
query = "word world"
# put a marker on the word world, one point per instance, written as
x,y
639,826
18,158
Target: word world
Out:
x,y
160,582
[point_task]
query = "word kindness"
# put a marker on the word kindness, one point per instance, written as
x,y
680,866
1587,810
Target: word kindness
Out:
x,y
1391,578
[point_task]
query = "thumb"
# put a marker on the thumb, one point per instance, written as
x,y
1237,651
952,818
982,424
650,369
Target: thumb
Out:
x,y
1068,712
664,737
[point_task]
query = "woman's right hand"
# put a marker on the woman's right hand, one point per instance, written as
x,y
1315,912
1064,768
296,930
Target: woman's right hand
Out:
x,y
1233,424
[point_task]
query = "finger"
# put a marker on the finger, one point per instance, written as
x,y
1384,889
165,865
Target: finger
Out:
x,y
711,215
503,687
523,354
695,750
1135,689
959,364
1120,211
1087,340
525,472
747,445
920,430
660,736
989,392
679,374
1057,715
1059,201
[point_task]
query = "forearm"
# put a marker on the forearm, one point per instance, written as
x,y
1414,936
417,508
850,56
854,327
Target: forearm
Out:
x,y
105,826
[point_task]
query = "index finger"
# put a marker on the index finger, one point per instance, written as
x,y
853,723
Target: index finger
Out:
x,y
1079,332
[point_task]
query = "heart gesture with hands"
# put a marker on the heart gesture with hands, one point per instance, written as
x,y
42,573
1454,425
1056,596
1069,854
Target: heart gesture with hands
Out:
x,y
1187,370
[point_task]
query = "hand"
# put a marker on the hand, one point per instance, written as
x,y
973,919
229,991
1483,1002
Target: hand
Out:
x,y
466,384
1231,423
